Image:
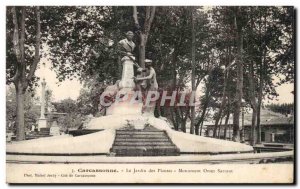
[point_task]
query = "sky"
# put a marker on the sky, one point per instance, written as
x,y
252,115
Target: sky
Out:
x,y
61,90
71,88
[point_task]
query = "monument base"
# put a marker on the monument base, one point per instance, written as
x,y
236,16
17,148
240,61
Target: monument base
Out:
x,y
42,123
125,108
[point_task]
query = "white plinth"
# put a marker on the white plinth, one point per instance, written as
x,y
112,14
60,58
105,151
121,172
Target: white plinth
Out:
x,y
127,74
42,123
125,108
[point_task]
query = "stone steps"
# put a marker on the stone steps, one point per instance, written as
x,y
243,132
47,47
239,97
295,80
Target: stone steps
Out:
x,y
145,151
147,142
143,139
44,131
29,137
142,143
140,136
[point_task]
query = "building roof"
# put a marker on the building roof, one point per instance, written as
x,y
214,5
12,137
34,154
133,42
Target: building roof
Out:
x,y
267,118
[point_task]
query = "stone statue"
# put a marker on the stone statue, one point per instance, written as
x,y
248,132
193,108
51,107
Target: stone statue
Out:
x,y
140,85
150,77
144,81
126,46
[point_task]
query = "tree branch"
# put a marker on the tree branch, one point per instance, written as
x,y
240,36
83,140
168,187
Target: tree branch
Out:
x,y
22,37
135,17
37,45
150,12
16,41
147,17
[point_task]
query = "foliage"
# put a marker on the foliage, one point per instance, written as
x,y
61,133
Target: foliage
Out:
x,y
31,109
285,108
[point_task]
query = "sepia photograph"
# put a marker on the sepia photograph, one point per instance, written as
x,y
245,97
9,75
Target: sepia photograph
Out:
x,y
150,94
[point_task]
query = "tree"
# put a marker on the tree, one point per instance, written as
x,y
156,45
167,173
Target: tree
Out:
x,y
22,62
285,108
89,97
254,44
268,39
238,25
73,119
192,129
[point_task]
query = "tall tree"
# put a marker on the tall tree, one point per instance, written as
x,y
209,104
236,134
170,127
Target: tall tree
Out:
x,y
193,78
239,80
24,60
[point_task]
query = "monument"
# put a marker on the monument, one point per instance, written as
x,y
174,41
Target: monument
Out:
x,y
47,123
128,130
42,123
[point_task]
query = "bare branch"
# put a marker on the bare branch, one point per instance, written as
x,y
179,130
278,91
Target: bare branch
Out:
x,y
152,14
147,17
135,17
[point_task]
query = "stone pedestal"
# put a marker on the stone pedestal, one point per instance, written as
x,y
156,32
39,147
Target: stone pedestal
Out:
x,y
126,102
127,74
42,123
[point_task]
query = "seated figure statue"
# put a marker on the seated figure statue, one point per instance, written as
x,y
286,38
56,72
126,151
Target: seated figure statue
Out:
x,y
151,86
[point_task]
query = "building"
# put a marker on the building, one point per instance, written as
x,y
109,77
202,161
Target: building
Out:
x,y
275,128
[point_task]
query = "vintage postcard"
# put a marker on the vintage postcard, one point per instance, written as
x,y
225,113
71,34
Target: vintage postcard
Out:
x,y
150,94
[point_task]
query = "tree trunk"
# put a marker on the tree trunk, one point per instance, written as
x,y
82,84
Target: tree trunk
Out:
x,y
227,119
201,119
222,103
261,80
201,129
220,124
193,73
142,51
258,117
184,118
224,93
239,81
260,96
20,112
174,120
253,103
253,124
